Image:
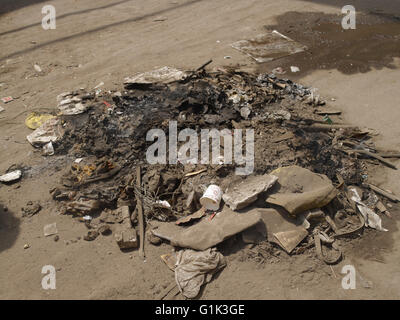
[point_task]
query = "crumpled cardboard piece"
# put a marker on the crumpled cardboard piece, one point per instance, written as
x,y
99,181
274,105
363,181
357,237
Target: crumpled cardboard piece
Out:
x,y
194,268
277,226
207,233
299,189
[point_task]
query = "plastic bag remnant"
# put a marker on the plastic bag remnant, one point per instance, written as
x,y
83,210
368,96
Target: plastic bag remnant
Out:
x,y
372,220
195,268
35,120
49,131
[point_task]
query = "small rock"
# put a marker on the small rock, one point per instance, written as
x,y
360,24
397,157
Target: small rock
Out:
x,y
31,209
91,235
56,238
104,230
294,69
37,68
245,192
156,241
245,112
11,176
126,239
26,246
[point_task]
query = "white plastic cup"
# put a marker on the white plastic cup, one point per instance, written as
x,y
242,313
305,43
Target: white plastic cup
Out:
x,y
211,197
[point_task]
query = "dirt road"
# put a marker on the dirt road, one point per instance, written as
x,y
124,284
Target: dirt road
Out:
x,y
108,40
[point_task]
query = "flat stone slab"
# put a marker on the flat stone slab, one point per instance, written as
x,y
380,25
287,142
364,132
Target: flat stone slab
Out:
x,y
246,192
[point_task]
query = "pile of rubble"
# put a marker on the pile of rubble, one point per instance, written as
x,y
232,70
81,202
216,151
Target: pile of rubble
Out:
x,y
308,188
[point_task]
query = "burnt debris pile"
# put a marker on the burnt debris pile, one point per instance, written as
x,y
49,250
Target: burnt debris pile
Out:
x,y
286,173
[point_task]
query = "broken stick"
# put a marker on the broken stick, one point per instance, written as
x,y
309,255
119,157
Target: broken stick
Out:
x,y
140,212
167,290
375,156
392,197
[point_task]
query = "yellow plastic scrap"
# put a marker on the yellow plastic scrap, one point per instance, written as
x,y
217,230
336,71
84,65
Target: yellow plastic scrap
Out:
x,y
35,120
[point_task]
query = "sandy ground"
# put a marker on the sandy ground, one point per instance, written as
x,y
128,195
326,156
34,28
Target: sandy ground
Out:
x,y
108,40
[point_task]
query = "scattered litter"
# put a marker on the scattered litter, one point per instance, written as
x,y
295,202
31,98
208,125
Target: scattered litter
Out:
x,y
242,194
73,103
7,99
327,119
72,108
211,197
49,131
11,176
288,129
269,46
227,57
294,69
372,220
27,246
48,149
35,120
50,229
163,204
1,109
194,269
